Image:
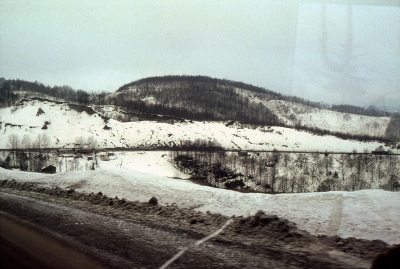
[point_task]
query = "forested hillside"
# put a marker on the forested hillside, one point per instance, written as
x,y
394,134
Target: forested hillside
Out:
x,y
204,98
14,90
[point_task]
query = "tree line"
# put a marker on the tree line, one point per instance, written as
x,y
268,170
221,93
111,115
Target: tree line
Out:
x,y
291,172
13,90
29,154
21,154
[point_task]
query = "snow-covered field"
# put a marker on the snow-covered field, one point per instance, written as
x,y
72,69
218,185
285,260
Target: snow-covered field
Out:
x,y
367,214
64,125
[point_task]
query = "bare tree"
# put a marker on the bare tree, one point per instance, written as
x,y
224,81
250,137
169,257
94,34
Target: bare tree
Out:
x,y
91,142
350,161
358,163
269,162
328,162
275,158
342,163
393,184
286,159
276,155
283,183
26,142
42,141
13,141
313,174
292,183
380,171
371,169
301,183
367,160
38,142
353,181
45,140
392,172
77,165
301,159
79,142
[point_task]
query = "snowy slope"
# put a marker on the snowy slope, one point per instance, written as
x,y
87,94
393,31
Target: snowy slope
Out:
x,y
367,214
292,114
66,124
330,120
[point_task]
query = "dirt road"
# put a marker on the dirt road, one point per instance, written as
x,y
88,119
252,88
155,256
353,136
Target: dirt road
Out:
x,y
44,231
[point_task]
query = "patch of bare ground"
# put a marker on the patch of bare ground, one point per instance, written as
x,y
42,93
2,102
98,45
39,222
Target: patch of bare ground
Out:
x,y
258,234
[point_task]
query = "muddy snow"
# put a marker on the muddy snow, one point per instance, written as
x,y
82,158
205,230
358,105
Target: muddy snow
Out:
x,y
366,214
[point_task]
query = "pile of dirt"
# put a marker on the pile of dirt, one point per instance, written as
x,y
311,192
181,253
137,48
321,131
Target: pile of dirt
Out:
x,y
360,247
269,228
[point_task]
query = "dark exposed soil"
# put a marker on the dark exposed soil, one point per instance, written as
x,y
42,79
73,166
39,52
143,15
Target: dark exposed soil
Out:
x,y
258,234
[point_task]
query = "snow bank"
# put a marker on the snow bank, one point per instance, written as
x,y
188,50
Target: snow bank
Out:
x,y
367,214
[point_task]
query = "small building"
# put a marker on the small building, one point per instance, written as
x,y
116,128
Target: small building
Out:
x,y
243,153
112,156
103,156
380,151
49,169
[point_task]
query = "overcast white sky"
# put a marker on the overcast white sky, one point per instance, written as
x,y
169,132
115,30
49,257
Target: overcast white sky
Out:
x,y
322,50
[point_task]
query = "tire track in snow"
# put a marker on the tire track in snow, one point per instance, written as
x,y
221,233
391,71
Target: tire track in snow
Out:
x,y
335,218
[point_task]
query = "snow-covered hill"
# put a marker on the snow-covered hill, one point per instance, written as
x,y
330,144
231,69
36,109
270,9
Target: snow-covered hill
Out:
x,y
296,114
63,123
218,99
